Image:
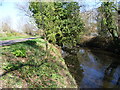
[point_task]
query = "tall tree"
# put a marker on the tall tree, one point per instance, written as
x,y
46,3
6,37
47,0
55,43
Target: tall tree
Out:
x,y
60,20
119,17
107,19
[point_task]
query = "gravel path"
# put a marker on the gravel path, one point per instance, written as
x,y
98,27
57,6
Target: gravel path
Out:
x,y
9,42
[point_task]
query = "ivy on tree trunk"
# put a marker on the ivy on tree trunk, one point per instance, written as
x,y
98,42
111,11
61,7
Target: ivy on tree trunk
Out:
x,y
62,21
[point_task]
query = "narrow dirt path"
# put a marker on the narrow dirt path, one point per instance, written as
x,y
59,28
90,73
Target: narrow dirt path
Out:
x,y
9,42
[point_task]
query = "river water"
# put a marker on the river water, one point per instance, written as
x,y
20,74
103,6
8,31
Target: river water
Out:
x,y
93,68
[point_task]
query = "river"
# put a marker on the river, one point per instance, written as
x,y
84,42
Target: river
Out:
x,y
93,68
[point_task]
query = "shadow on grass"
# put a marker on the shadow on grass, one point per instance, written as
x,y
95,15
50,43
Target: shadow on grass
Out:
x,y
30,43
18,66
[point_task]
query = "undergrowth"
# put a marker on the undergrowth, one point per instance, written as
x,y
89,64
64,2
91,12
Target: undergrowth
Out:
x,y
26,65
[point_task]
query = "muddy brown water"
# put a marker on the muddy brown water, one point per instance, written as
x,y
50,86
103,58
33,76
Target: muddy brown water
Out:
x,y
93,68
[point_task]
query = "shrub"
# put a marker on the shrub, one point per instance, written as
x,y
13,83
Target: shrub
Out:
x,y
19,52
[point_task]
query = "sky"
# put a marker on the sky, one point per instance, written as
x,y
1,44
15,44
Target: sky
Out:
x,y
10,12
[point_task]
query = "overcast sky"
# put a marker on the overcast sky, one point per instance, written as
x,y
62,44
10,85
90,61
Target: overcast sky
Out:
x,y
9,10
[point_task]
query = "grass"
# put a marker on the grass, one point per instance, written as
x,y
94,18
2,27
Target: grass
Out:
x,y
13,37
29,65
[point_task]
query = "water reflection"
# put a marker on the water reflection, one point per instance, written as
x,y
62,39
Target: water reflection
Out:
x,y
94,68
73,67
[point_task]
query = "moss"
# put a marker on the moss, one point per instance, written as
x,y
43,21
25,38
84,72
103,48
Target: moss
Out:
x,y
35,70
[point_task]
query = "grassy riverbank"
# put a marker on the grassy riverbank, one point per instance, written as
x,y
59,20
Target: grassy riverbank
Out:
x,y
29,65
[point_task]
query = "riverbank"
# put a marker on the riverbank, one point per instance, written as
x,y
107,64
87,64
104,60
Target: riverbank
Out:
x,y
29,65
104,43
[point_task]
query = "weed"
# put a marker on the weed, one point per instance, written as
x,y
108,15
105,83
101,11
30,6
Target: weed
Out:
x,y
19,52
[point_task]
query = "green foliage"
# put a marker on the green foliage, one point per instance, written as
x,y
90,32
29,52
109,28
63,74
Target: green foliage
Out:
x,y
11,66
61,21
8,67
35,71
107,19
19,52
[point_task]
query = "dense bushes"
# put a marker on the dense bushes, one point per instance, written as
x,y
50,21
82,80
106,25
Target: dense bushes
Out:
x,y
60,21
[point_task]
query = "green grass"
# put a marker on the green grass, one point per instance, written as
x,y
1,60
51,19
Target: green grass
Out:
x,y
27,66
13,37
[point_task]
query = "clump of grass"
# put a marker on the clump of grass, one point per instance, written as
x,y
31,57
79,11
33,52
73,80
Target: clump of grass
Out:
x,y
29,66
19,52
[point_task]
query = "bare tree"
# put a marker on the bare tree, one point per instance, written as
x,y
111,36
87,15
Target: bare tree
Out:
x,y
24,8
30,29
6,26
